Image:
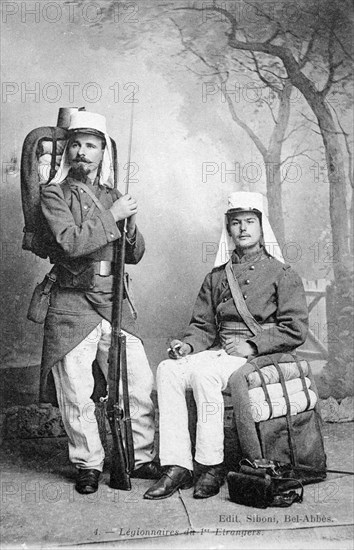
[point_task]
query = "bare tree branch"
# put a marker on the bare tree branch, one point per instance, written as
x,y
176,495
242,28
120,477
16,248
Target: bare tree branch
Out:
x,y
304,59
270,109
256,140
330,27
308,118
341,78
274,74
261,77
329,131
301,154
348,148
293,130
331,68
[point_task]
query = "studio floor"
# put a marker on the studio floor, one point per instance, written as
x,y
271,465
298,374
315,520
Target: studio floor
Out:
x,y
41,509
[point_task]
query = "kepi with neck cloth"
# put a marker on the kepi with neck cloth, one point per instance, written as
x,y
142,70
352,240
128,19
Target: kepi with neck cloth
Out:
x,y
245,201
84,122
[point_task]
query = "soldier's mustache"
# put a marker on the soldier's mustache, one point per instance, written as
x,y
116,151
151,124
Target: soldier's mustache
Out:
x,y
81,159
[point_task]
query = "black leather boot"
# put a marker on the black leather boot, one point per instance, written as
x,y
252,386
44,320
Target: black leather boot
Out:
x,y
87,481
173,478
209,482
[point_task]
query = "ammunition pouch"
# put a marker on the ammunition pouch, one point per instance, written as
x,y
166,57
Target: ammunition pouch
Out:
x,y
40,301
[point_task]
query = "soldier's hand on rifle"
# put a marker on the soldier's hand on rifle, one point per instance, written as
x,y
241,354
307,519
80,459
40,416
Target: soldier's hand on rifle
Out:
x,y
239,349
178,349
124,207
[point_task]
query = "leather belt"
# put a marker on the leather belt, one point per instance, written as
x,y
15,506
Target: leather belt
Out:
x,y
104,268
236,326
237,331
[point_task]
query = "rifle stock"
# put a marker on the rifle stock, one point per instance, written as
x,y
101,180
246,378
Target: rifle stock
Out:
x,y
119,470
122,456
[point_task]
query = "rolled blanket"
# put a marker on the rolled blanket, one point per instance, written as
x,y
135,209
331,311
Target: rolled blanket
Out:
x,y
298,403
44,172
45,159
44,165
46,147
271,376
276,390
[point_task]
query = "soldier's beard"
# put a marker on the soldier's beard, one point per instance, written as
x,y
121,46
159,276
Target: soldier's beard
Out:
x,y
79,171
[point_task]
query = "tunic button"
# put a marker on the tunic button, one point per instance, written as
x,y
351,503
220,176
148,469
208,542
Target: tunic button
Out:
x,y
81,190
245,296
85,207
112,235
252,267
247,282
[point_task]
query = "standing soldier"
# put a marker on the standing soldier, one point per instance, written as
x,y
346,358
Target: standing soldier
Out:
x,y
82,209
217,343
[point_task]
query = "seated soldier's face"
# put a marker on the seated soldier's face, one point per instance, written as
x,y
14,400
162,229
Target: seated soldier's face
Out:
x,y
245,230
84,154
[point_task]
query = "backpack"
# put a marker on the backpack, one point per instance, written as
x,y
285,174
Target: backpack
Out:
x,y
275,454
41,155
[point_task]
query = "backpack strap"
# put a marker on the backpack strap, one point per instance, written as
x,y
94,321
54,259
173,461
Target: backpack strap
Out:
x,y
54,154
303,382
240,303
291,438
264,387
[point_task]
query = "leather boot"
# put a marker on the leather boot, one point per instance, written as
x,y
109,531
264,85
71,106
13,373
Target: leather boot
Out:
x,y
173,478
210,481
149,470
87,481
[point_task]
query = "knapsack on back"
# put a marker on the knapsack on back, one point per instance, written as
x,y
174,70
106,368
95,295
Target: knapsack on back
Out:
x,y
41,155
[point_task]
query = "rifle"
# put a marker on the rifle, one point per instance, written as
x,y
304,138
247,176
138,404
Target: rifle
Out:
x,y
122,456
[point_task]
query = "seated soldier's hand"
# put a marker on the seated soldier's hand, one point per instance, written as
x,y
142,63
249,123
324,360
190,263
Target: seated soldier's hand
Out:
x,y
178,349
239,349
124,207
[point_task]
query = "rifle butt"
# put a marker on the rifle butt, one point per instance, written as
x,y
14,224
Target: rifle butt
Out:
x,y
119,473
119,479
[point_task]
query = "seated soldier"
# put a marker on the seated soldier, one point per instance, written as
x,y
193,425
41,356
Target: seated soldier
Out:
x,y
218,341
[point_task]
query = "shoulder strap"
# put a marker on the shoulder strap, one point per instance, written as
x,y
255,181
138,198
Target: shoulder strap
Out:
x,y
240,303
97,202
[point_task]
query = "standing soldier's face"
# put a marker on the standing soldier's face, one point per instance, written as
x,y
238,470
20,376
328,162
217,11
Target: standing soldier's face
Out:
x,y
245,230
85,153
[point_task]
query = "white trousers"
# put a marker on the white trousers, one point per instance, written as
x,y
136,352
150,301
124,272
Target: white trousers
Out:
x,y
74,385
207,374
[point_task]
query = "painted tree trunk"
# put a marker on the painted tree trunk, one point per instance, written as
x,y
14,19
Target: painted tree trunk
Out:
x,y
272,160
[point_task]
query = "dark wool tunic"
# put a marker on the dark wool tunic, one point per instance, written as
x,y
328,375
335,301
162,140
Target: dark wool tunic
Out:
x,y
273,293
80,235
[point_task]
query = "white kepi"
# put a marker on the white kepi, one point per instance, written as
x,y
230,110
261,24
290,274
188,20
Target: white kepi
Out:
x,y
246,201
91,123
